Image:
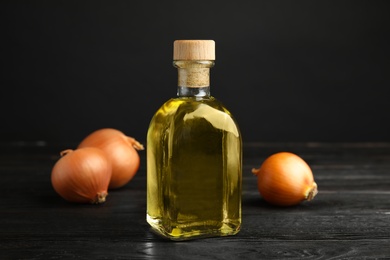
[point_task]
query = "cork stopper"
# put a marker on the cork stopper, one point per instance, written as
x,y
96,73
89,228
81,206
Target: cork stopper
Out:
x,y
194,50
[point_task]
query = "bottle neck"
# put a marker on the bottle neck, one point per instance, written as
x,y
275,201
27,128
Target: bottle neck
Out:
x,y
193,78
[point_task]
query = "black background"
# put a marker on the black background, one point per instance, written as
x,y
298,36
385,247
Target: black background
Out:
x,y
287,70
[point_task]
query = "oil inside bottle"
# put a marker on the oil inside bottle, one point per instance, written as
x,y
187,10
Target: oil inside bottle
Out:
x,y
194,170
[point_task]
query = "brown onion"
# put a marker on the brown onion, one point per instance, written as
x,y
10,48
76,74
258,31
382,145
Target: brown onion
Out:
x,y
121,150
285,179
82,175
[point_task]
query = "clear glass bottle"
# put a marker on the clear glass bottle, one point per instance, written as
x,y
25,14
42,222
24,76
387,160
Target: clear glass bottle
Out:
x,y
194,155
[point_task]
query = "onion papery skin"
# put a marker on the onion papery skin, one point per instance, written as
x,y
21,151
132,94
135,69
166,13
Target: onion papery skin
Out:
x,y
285,179
82,175
121,150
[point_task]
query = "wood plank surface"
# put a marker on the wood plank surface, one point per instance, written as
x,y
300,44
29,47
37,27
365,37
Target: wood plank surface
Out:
x,y
349,218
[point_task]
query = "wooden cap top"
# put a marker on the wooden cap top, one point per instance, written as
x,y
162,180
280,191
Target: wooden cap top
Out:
x,y
194,50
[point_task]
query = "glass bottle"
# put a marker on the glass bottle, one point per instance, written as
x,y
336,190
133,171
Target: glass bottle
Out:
x,y
194,155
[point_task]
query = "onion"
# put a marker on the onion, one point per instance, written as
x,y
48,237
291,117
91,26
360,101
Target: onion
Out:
x,y
121,150
82,175
285,179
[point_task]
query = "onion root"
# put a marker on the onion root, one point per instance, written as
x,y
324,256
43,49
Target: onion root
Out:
x,y
100,198
312,192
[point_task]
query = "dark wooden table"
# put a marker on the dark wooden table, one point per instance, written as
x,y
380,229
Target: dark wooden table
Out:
x,y
349,218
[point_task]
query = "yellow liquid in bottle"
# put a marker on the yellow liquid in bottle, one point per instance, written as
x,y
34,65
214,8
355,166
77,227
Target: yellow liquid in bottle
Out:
x,y
194,165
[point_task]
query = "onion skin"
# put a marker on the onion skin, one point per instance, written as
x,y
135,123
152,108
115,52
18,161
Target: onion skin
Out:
x,y
82,175
285,179
121,150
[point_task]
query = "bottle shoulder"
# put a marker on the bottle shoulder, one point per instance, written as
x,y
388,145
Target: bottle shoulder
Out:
x,y
184,105
192,104
186,110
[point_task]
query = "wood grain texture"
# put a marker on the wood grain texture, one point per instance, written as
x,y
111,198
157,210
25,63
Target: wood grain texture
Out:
x,y
194,50
348,219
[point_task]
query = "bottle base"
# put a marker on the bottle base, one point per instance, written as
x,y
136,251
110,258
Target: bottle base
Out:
x,y
194,230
